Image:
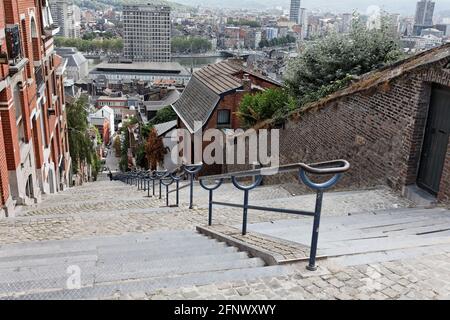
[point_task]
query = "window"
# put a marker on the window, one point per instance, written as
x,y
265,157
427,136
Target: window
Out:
x,y
19,118
223,117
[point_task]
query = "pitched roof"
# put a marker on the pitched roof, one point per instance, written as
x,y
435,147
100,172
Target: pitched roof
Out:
x,y
196,103
219,77
205,89
168,100
76,59
162,128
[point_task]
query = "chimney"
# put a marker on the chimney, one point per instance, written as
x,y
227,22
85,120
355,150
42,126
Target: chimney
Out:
x,y
247,83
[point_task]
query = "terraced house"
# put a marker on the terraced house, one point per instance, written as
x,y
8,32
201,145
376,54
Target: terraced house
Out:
x,y
34,156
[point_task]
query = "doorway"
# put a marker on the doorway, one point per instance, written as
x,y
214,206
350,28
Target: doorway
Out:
x,y
435,142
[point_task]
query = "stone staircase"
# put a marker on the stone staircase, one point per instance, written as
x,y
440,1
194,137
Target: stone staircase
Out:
x,y
122,264
123,242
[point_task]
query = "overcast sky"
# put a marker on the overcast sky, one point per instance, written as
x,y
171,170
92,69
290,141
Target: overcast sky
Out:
x,y
406,7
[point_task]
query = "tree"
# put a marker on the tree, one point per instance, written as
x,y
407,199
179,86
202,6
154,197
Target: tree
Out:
x,y
190,44
81,145
164,115
154,149
141,156
90,44
123,163
328,64
117,145
269,104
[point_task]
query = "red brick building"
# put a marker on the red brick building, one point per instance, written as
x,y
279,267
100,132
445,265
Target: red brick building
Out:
x,y
33,134
213,95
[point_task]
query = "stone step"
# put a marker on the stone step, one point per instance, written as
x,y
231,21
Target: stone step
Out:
x,y
151,255
184,246
187,247
151,285
115,266
96,241
147,270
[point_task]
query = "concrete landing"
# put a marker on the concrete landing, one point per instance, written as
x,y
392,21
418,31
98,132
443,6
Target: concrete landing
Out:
x,y
420,197
370,237
274,251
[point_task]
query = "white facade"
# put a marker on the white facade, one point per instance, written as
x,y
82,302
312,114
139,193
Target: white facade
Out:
x,y
108,113
67,16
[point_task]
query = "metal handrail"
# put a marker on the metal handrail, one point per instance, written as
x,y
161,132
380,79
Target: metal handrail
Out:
x,y
335,167
192,170
320,168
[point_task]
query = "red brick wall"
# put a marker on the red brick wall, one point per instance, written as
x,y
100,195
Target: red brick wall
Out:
x,y
4,183
380,133
10,135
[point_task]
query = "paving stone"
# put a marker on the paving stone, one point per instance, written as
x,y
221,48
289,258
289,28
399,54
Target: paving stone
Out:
x,y
109,209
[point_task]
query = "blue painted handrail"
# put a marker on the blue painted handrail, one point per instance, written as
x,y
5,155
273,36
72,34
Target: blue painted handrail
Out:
x,y
336,168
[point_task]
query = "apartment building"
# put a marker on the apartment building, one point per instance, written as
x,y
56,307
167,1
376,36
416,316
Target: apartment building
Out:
x,y
34,156
146,33
67,16
295,11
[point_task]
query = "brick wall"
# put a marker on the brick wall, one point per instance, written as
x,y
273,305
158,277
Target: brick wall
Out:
x,y
444,194
4,183
379,132
10,133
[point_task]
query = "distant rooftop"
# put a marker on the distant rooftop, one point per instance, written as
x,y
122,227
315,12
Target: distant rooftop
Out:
x,y
171,97
163,128
145,67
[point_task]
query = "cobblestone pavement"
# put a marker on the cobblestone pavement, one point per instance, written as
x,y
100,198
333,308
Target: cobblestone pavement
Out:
x,y
427,278
112,208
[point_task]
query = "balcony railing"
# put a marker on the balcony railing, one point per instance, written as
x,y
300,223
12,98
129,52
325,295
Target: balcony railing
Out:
x,y
51,30
13,44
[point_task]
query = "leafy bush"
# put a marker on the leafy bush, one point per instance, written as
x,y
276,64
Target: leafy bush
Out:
x,y
327,64
269,104
164,115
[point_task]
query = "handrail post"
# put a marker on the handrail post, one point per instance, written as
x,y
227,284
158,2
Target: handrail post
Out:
x,y
245,211
315,232
210,207
178,192
160,185
167,195
192,170
153,189
148,188
191,189
210,189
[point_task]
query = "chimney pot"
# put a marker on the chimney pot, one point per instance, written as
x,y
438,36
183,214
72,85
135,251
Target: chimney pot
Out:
x,y
247,83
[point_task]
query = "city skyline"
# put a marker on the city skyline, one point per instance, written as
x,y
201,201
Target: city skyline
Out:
x,y
406,7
